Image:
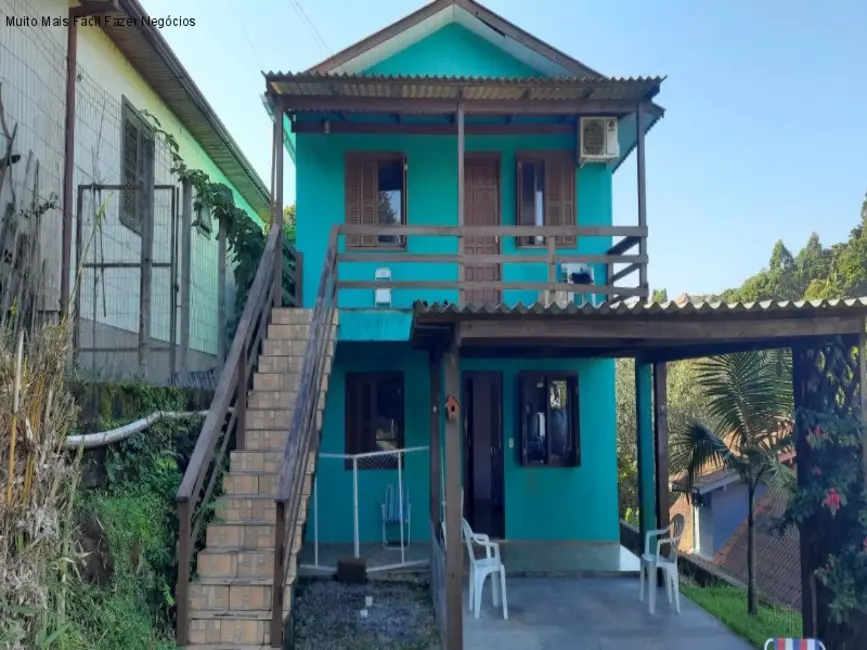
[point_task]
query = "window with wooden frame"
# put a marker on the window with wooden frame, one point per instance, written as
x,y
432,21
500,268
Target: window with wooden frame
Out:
x,y
549,419
136,166
376,196
546,194
374,418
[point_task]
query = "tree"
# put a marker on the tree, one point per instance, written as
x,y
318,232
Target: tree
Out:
x,y
747,400
289,223
659,295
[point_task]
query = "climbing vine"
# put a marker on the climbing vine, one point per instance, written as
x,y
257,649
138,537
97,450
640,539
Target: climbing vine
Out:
x,y
833,497
244,238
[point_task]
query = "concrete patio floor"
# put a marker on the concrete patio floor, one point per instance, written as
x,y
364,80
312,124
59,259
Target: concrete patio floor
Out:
x,y
591,614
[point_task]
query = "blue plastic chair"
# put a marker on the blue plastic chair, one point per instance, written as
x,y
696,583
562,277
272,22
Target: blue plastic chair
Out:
x,y
391,514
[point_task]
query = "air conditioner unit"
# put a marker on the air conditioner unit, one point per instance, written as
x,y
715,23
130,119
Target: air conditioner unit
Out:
x,y
597,140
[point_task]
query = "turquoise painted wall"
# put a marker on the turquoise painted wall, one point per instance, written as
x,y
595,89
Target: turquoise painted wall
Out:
x,y
541,503
453,50
432,192
334,481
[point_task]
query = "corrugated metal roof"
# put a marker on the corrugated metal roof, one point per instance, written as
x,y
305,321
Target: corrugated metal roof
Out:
x,y
588,88
638,309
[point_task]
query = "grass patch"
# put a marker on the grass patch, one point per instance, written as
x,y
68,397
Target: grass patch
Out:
x,y
729,604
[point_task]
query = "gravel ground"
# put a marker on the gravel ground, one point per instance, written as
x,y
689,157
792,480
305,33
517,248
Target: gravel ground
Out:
x,y
328,616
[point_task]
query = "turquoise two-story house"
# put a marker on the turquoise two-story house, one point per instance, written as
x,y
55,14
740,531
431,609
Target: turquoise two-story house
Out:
x,y
463,170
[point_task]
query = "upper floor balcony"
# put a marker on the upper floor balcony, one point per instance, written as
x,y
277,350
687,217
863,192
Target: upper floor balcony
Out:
x,y
393,266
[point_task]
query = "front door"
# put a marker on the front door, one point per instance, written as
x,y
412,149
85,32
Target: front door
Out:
x,y
484,505
482,208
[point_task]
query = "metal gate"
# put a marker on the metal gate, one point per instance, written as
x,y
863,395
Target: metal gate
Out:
x,y
126,287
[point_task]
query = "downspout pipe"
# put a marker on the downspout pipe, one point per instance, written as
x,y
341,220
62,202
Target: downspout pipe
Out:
x,y
86,8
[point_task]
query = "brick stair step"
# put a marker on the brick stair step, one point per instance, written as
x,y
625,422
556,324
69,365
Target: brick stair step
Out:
x,y
289,316
251,534
251,632
233,597
227,646
280,364
241,483
288,331
266,462
237,508
277,418
266,439
241,566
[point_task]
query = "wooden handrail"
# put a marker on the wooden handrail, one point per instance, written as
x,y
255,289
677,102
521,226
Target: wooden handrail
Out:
x,y
544,253
227,412
303,436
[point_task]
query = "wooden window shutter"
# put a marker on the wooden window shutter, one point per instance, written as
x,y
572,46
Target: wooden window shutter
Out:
x,y
361,199
132,170
560,195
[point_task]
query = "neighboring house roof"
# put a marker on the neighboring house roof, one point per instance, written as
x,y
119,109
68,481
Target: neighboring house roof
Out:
x,y
149,53
714,476
778,559
482,22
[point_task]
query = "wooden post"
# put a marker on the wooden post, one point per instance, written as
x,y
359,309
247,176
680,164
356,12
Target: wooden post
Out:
x,y
454,553
147,258
459,119
277,221
644,435
642,195
185,514
186,273
660,431
436,402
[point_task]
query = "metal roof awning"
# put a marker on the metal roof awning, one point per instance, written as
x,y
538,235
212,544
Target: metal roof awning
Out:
x,y
660,331
315,92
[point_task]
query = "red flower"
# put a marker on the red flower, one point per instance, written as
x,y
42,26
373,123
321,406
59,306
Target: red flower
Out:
x,y
832,501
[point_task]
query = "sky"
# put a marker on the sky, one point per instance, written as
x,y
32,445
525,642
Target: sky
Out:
x,y
765,133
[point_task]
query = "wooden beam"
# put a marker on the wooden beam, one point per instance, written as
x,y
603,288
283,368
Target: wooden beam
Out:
x,y
493,231
419,128
646,451
386,255
391,105
454,551
663,329
642,190
625,244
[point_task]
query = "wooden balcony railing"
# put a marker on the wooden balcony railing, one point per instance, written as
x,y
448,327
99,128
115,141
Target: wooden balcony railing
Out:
x,y
403,248
226,415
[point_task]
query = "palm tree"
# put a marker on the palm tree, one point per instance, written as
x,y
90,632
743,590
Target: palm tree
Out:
x,y
748,404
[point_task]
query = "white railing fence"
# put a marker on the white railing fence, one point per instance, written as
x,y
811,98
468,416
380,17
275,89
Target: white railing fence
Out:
x,y
371,506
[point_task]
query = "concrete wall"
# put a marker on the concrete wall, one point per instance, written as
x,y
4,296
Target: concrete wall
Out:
x,y
577,503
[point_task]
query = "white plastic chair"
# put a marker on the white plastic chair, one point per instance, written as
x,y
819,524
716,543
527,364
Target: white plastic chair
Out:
x,y
650,562
481,568
794,644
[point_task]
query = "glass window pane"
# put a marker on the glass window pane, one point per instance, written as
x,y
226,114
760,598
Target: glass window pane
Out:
x,y
559,428
540,194
528,191
389,410
535,416
390,196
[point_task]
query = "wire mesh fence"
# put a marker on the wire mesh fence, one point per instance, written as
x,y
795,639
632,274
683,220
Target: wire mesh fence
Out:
x,y
370,506
135,248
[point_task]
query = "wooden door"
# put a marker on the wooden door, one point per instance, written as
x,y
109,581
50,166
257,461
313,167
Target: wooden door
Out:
x,y
484,506
482,208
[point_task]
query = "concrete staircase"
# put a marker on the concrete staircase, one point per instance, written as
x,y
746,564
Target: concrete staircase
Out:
x,y
230,597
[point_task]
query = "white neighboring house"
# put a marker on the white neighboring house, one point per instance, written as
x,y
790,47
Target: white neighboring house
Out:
x,y
126,72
